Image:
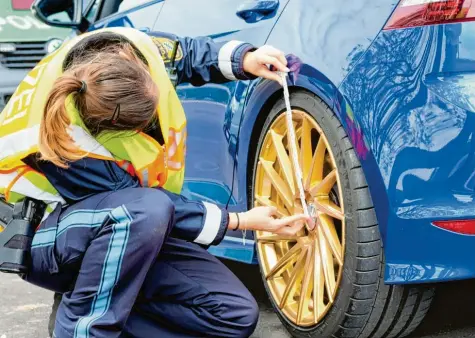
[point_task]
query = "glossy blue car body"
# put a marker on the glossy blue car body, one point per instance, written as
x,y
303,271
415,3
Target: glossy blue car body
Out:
x,y
405,97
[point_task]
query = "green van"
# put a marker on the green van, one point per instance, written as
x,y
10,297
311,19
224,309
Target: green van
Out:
x,y
24,41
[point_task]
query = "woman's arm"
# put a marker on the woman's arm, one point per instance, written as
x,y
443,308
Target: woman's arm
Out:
x,y
200,222
206,223
201,60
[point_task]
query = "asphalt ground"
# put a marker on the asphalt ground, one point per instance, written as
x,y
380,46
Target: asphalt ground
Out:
x,y
24,309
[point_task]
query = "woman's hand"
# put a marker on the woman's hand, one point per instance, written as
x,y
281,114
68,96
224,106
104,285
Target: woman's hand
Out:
x,y
257,63
263,219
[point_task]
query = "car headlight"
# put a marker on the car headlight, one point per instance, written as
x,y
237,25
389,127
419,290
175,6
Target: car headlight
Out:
x,y
52,45
7,48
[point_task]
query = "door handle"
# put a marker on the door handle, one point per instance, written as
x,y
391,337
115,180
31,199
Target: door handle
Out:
x,y
256,10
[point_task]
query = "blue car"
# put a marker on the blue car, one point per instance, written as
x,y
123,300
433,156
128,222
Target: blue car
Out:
x,y
384,113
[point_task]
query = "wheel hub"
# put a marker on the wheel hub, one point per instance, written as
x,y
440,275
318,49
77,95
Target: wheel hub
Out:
x,y
312,211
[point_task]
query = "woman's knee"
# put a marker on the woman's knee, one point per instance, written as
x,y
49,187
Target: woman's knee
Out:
x,y
158,207
238,315
150,214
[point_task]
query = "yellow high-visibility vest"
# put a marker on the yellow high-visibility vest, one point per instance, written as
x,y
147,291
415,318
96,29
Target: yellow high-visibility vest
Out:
x,y
154,164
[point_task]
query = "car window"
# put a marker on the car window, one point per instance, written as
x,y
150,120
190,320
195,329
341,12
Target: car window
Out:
x,y
86,3
60,17
128,4
91,13
142,15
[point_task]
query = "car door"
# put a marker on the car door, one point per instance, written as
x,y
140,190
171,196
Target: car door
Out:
x,y
214,111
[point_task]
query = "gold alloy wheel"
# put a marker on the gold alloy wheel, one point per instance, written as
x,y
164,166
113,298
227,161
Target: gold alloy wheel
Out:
x,y
302,272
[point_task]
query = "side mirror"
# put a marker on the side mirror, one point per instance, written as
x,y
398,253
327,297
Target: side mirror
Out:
x,y
59,13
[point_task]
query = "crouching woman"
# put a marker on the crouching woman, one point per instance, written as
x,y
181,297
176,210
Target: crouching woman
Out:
x,y
96,130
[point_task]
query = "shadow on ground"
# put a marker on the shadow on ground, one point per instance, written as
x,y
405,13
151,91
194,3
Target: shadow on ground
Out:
x,y
453,309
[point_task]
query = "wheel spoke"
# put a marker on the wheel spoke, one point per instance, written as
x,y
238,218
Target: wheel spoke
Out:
x,y
325,186
318,282
328,207
295,277
327,263
284,160
272,238
328,227
316,169
289,140
306,148
306,291
280,186
266,202
285,261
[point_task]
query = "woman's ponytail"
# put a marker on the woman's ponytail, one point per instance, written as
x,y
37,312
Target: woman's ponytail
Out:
x,y
55,143
103,84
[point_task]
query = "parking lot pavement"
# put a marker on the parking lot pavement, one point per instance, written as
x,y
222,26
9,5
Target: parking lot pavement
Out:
x,y
24,309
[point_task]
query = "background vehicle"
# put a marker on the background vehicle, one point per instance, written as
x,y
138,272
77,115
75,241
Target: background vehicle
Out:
x,y
24,40
383,108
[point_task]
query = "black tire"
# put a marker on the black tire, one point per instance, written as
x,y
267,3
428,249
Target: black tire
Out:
x,y
364,307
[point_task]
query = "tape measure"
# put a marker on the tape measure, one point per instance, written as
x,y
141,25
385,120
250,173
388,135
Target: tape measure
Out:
x,y
293,144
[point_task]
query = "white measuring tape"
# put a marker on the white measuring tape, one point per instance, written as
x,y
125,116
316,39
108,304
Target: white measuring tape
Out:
x,y
293,144
293,148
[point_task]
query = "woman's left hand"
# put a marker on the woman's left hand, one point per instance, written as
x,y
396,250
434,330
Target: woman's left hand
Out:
x,y
264,219
257,63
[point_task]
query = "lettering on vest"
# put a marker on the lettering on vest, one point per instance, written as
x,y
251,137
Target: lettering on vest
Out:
x,y
176,148
22,100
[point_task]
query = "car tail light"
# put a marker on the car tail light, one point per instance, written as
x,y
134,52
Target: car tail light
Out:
x,y
465,227
413,13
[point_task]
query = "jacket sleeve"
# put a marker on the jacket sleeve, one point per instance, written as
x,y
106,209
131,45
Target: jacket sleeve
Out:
x,y
200,222
200,60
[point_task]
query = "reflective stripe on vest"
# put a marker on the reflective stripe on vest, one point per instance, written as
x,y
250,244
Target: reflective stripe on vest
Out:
x,y
26,182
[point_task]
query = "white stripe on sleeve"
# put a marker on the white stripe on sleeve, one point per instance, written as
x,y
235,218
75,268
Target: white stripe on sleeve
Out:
x,y
211,225
224,59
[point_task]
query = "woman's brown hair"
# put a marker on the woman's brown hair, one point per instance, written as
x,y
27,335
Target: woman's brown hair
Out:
x,y
112,90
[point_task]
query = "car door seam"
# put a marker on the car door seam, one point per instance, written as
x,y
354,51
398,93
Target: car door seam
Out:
x,y
277,20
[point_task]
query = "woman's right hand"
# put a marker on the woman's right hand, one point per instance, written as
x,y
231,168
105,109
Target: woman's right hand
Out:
x,y
264,219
